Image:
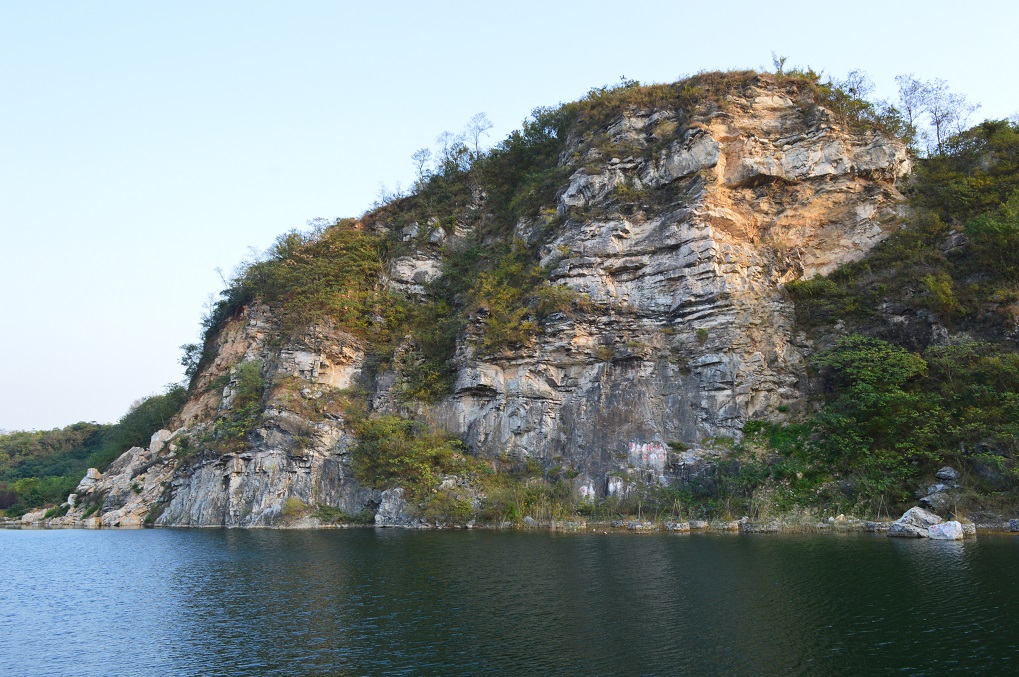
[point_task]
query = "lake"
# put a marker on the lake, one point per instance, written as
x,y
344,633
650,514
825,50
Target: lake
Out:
x,y
366,602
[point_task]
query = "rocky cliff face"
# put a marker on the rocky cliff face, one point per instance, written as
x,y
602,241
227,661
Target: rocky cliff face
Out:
x,y
693,332
679,230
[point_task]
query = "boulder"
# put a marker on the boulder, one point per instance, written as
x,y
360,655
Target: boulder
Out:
x,y
946,531
159,440
947,474
1013,525
914,523
34,517
409,274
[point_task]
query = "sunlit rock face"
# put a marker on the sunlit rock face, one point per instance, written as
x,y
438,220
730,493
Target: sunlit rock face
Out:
x,y
678,230
684,253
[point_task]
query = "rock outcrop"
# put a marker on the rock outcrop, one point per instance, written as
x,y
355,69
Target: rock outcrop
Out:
x,y
678,228
684,255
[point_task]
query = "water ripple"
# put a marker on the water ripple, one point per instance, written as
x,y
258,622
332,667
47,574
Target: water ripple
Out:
x,y
365,602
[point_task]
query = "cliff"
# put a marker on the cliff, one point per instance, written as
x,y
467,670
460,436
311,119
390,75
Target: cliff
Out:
x,y
656,323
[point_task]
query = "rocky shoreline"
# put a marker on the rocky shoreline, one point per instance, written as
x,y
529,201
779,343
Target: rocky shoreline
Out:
x,y
919,519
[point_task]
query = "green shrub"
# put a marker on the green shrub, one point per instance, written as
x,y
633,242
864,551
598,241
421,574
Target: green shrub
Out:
x,y
294,508
136,427
57,511
391,451
995,236
977,172
940,288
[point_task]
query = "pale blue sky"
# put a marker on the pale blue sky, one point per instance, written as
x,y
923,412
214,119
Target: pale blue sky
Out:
x,y
145,144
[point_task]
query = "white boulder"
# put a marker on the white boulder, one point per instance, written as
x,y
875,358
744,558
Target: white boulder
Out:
x,y
947,531
914,523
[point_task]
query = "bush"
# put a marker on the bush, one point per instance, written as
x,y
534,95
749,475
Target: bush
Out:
x,y
294,508
391,451
977,172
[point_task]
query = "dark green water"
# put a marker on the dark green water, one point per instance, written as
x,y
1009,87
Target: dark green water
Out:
x,y
363,602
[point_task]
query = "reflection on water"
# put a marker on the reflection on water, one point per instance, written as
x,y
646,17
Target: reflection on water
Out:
x,y
368,602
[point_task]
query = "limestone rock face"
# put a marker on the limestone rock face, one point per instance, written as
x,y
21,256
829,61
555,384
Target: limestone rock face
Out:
x,y
678,229
683,251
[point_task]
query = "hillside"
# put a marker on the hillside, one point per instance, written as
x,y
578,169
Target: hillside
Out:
x,y
587,318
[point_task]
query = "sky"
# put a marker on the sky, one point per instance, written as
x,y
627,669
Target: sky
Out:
x,y
149,148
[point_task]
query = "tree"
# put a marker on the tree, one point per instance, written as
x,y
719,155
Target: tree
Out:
x,y
857,84
476,127
421,157
947,113
453,154
912,102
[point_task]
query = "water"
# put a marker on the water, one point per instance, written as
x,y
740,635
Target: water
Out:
x,y
363,602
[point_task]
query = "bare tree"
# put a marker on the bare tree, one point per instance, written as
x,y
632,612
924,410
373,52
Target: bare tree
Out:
x,y
446,142
857,84
946,113
912,98
477,126
949,113
421,157
386,196
938,111
962,111
318,225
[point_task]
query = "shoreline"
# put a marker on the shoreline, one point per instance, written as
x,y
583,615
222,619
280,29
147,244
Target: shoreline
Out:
x,y
630,526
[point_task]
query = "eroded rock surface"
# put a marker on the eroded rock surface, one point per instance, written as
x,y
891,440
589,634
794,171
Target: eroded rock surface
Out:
x,y
678,230
683,253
